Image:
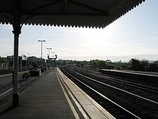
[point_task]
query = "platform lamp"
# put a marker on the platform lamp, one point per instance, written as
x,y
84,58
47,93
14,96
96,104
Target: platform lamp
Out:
x,y
41,48
49,51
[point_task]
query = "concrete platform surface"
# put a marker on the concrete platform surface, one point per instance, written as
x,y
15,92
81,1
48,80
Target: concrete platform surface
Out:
x,y
44,99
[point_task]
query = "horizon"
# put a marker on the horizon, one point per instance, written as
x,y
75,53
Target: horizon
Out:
x,y
101,59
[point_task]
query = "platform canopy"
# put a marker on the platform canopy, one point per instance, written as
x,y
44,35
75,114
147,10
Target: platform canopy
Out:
x,y
78,13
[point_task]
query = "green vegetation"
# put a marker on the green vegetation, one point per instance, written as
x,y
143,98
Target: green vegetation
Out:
x,y
133,64
34,63
35,73
143,65
26,75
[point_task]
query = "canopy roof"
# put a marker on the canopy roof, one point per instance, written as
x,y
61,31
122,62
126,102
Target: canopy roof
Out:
x,y
79,13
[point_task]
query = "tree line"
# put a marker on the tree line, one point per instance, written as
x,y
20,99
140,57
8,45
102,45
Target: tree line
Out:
x,y
96,64
133,64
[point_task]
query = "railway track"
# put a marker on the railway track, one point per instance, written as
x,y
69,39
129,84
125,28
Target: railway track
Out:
x,y
115,109
131,102
138,88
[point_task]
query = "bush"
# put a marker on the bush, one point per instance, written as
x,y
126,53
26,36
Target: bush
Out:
x,y
35,73
43,69
26,75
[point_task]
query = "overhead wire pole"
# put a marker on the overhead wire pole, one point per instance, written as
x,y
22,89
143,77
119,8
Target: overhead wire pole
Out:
x,y
41,49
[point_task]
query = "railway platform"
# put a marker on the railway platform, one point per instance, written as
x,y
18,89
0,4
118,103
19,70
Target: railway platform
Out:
x,y
54,96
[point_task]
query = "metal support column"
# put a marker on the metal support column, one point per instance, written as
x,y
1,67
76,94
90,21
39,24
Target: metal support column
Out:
x,y
16,32
16,69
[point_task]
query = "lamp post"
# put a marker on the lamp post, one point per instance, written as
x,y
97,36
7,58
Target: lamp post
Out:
x,y
48,63
52,54
49,51
41,49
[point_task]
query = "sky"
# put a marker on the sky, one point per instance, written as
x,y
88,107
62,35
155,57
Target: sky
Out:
x,y
134,35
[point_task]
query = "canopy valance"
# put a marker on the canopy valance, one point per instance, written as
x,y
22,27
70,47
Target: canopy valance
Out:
x,y
79,13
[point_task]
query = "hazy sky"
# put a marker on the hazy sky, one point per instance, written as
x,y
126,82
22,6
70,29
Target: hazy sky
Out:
x,y
135,35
